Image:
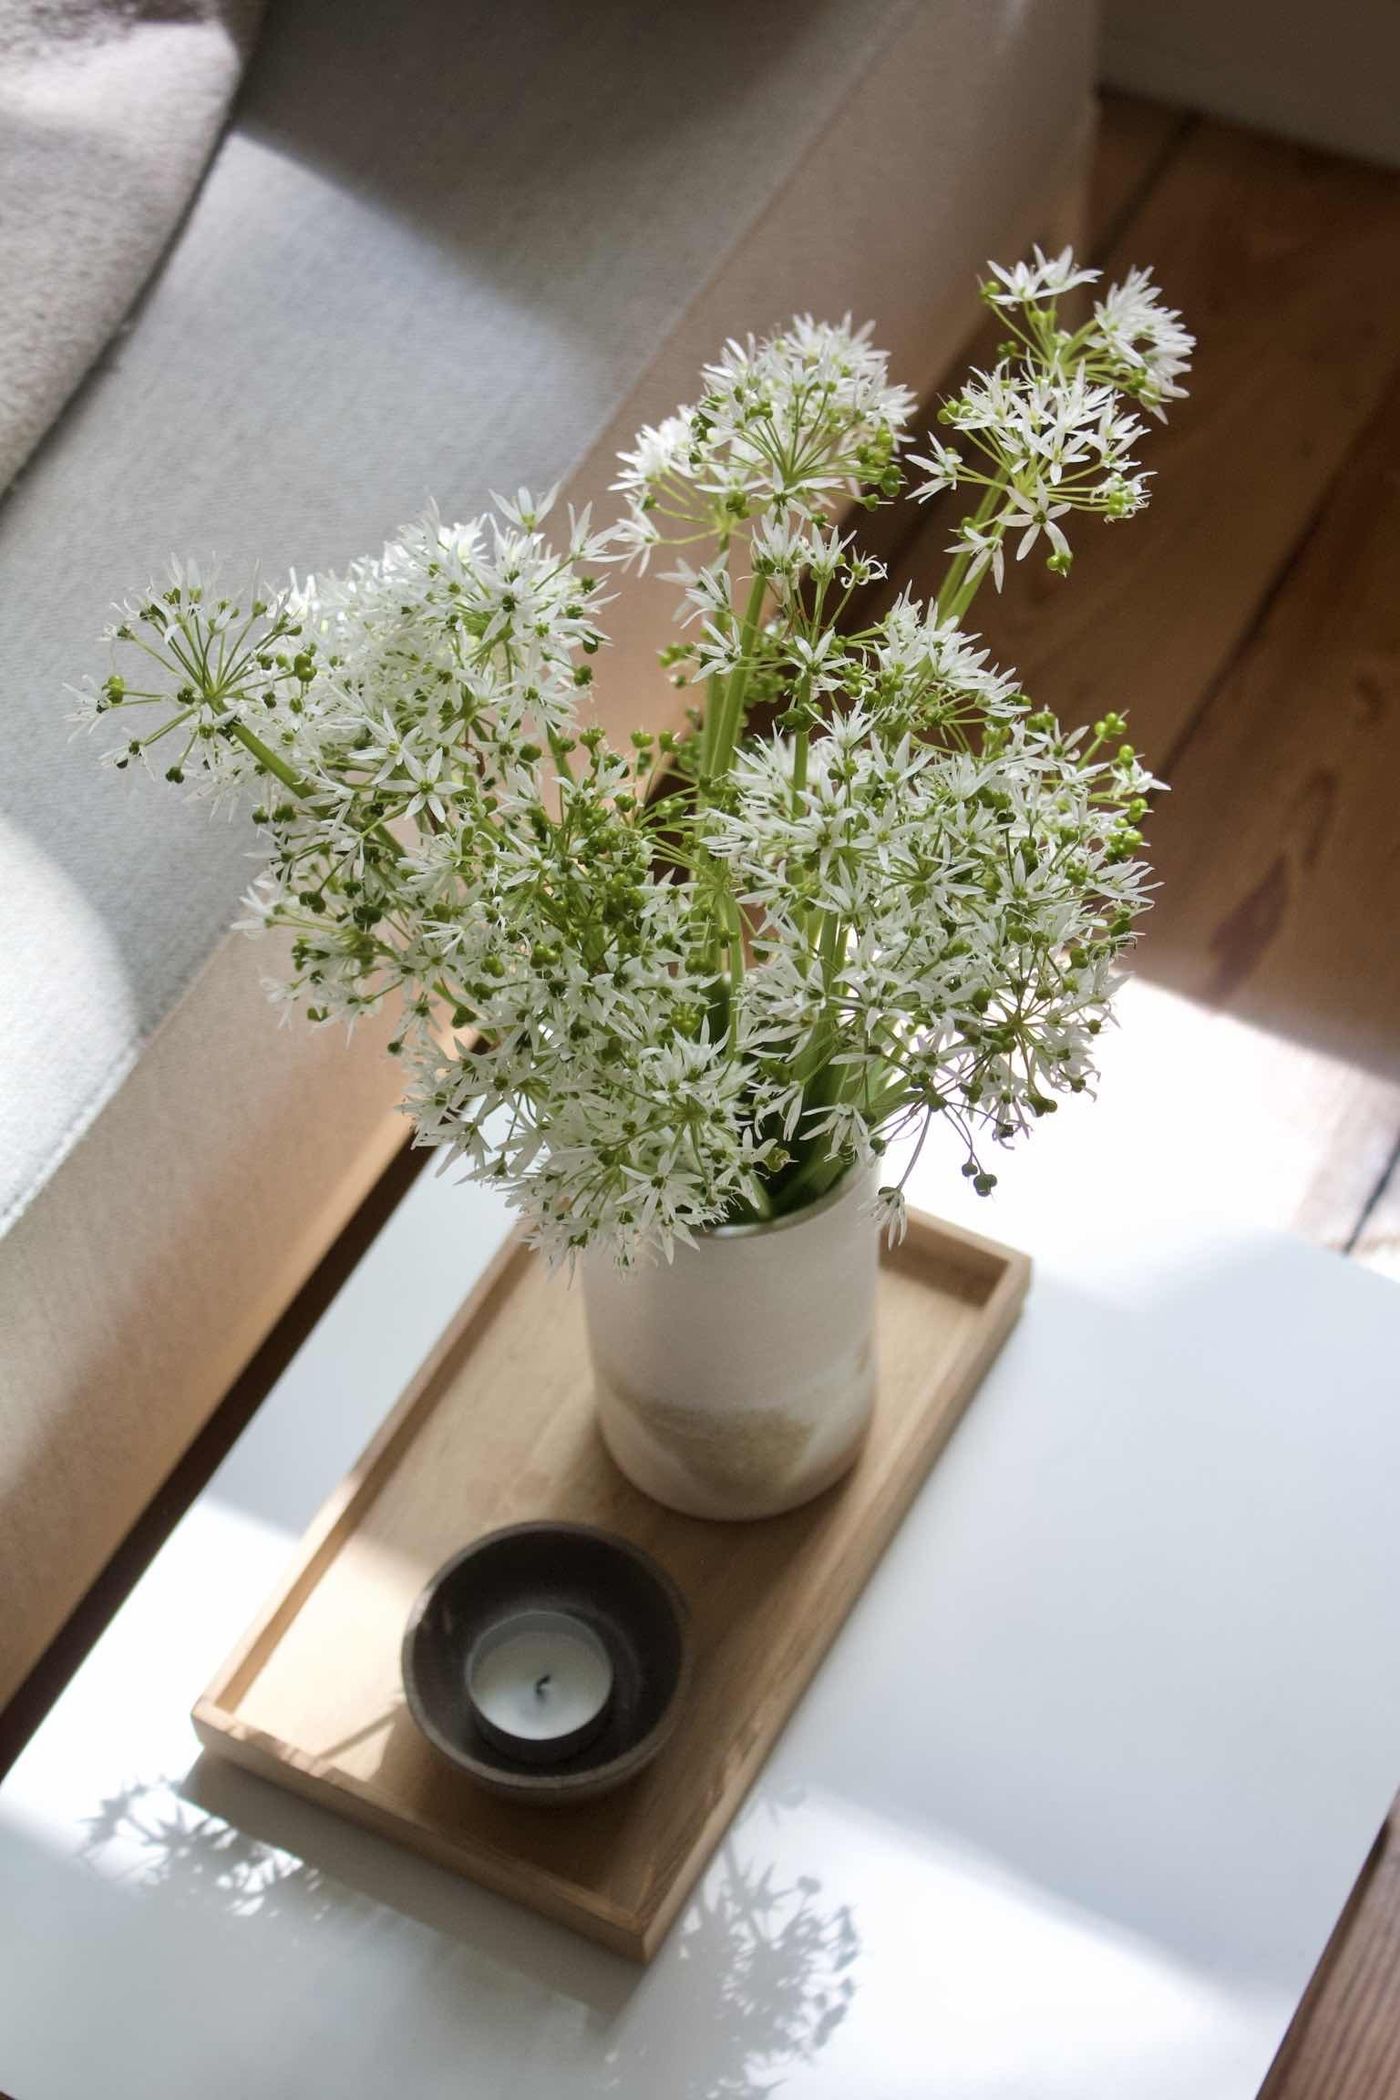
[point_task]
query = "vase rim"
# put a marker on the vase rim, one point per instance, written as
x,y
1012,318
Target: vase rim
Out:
x,y
752,1229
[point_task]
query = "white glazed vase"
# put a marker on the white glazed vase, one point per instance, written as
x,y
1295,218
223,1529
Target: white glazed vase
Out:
x,y
738,1379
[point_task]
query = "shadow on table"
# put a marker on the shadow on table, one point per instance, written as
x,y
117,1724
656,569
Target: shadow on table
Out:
x,y
755,1979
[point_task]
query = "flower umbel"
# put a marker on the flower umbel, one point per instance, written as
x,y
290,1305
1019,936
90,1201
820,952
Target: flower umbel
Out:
x,y
1051,429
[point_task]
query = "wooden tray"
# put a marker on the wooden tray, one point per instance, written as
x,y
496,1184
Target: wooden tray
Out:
x,y
497,1427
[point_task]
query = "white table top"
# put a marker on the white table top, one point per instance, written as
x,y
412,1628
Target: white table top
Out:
x,y
1070,1810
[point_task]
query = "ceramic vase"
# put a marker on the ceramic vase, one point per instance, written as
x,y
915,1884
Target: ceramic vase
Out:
x,y
738,1379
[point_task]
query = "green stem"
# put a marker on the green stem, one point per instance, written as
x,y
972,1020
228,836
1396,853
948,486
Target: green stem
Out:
x,y
822,1168
820,1171
800,746
812,1061
269,761
280,770
954,598
718,740
966,595
736,965
731,712
713,698
560,756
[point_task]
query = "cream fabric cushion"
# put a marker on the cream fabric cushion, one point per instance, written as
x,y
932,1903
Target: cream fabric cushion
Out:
x,y
444,249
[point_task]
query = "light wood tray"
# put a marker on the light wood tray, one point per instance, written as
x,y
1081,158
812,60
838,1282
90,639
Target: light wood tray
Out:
x,y
498,1427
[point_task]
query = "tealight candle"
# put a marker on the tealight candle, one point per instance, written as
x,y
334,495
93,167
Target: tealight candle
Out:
x,y
540,1683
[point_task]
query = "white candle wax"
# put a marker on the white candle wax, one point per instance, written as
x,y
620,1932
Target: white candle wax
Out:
x,y
539,1676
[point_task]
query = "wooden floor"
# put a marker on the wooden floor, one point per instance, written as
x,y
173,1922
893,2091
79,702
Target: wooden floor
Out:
x,y
1249,624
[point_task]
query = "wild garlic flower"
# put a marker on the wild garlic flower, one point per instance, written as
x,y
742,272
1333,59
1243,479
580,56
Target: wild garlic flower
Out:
x,y
987,897
648,990
1043,279
1142,344
1051,429
794,423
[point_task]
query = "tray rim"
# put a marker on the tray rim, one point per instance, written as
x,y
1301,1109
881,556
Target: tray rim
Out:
x,y
635,1932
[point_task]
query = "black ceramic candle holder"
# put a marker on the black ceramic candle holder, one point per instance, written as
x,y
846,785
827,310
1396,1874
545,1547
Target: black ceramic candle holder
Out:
x,y
624,1597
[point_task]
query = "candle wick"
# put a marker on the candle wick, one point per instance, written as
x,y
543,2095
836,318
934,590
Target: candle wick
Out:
x,y
541,1684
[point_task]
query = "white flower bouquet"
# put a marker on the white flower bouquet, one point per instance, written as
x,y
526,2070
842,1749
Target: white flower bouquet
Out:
x,y
650,990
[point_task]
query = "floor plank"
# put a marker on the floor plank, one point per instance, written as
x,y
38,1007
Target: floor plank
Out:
x,y
1135,139
1344,2043
1283,261
1278,848
1279,859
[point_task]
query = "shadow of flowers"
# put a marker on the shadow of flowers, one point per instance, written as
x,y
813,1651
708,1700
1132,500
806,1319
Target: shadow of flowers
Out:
x,y
754,1982
759,1980
148,1834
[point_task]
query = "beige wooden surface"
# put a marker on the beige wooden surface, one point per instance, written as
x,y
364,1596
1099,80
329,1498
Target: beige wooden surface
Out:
x,y
499,1428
